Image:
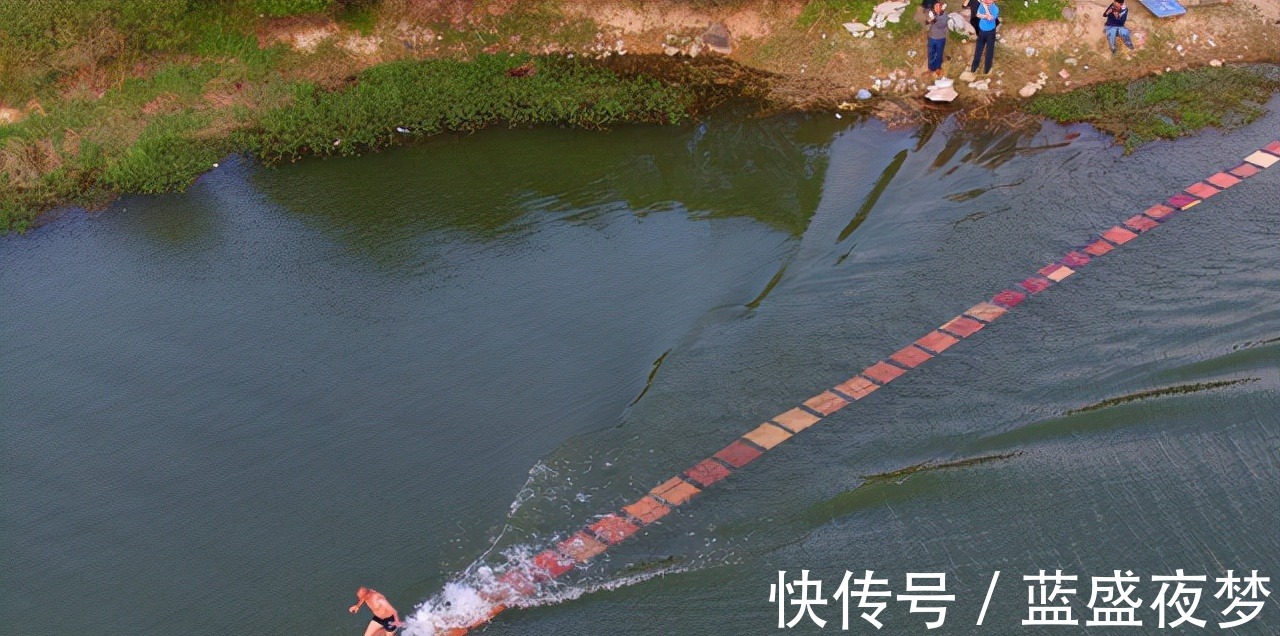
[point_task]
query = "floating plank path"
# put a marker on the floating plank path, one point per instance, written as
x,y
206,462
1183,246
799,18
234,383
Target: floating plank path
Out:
x,y
616,527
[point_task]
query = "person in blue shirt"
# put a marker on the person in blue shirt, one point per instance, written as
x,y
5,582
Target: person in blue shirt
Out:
x,y
987,13
1116,14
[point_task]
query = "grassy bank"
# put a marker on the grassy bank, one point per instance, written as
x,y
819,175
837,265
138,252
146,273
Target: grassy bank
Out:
x,y
433,96
103,97
1166,106
48,162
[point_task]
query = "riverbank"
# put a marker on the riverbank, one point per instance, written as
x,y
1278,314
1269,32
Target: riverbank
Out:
x,y
99,101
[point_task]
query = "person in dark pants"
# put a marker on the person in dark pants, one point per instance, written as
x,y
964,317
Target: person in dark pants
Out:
x,y
937,21
1116,14
972,6
385,618
987,15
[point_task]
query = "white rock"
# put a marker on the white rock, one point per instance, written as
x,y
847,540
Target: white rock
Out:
x,y
1215,62
856,28
911,53
670,51
960,24
967,76
1029,90
871,34
1031,52
1064,74
1071,61
942,94
980,85
864,94
891,6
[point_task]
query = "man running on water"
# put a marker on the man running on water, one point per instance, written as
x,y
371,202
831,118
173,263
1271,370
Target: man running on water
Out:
x,y
381,608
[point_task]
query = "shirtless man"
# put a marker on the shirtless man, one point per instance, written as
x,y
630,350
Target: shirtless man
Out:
x,y
385,619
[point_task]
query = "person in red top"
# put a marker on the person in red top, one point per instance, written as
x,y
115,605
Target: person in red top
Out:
x,y
385,619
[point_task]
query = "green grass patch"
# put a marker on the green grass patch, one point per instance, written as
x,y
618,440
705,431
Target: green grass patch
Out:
x,y
167,156
1165,106
1016,12
833,13
432,96
281,8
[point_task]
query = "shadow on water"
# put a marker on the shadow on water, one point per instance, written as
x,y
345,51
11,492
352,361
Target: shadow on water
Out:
x,y
770,170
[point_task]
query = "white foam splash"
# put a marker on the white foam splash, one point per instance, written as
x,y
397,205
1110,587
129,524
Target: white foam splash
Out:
x,y
466,600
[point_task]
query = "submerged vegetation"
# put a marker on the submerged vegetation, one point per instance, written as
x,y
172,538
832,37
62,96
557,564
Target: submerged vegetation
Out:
x,y
1178,389
1166,106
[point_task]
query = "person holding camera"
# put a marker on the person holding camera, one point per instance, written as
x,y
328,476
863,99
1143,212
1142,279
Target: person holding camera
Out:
x,y
1116,14
936,19
988,15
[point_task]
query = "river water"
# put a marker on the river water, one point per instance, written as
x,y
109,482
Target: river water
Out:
x,y
224,410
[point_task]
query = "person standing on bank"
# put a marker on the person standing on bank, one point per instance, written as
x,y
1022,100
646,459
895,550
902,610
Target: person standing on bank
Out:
x,y
1116,14
988,13
936,19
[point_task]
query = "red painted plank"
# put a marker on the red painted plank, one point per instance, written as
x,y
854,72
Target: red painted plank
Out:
x,y
1075,259
614,529
707,472
1182,201
1159,211
1273,148
767,435
796,420
936,341
1223,180
857,387
1098,247
1140,223
826,403
882,372
675,491
548,564
738,454
646,510
1119,235
962,326
1008,298
580,547
518,583
1061,274
910,356
1245,170
986,312
1035,284
1202,190
1048,269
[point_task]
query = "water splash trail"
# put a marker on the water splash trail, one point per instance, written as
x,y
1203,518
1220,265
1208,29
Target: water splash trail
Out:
x,y
529,579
